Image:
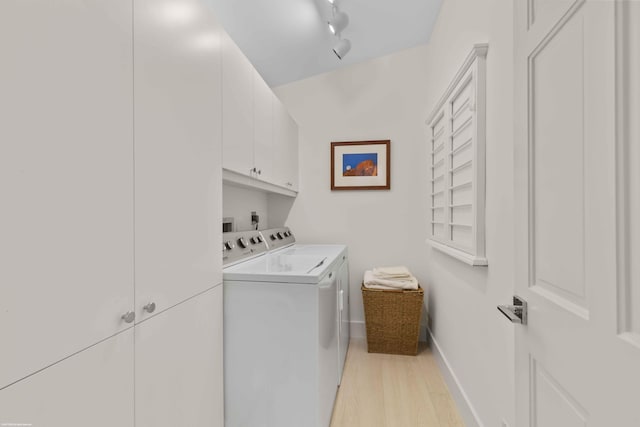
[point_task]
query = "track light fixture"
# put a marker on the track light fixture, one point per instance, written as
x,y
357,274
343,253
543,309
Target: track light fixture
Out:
x,y
342,48
338,22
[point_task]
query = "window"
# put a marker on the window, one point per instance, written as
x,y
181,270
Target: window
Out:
x,y
457,163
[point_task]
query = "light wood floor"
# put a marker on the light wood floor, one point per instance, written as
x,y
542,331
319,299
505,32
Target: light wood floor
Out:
x,y
384,390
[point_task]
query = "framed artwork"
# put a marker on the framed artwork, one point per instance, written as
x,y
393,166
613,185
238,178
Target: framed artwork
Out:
x,y
361,165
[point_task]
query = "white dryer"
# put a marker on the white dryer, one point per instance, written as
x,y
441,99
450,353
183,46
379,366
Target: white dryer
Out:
x,y
282,341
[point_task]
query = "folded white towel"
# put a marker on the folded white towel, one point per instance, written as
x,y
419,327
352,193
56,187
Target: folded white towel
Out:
x,y
373,282
398,272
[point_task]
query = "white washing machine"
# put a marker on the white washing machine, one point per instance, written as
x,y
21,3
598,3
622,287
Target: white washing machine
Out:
x,y
285,329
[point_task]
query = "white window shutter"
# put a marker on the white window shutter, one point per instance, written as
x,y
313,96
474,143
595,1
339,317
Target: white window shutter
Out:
x,y
457,151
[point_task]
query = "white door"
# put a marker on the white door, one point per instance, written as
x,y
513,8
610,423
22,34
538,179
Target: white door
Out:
x,y
577,359
237,112
91,388
285,147
66,165
262,129
179,365
292,153
178,182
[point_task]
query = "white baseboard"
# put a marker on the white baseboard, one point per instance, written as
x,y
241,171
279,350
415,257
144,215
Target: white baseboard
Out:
x,y
357,329
465,408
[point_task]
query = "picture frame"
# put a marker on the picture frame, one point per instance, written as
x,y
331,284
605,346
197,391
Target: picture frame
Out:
x,y
361,165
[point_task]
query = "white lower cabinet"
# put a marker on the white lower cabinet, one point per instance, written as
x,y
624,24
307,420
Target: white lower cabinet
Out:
x,y
177,379
179,365
91,388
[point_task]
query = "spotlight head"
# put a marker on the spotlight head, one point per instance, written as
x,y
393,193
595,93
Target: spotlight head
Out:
x,y
342,48
338,22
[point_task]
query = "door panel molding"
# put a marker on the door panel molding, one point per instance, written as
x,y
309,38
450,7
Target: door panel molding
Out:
x,y
557,197
543,386
543,15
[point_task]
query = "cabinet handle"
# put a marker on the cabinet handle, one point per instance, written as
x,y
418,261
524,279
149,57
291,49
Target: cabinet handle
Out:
x,y
150,308
129,317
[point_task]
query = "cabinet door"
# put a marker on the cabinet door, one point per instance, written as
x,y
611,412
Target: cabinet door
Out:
x,y
292,152
285,147
179,365
91,388
66,166
237,111
178,184
262,128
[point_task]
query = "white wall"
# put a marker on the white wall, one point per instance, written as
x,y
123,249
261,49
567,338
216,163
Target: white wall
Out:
x,y
390,98
380,99
239,202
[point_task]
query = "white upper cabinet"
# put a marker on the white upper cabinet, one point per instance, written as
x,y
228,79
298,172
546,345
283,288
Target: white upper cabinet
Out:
x,y
237,111
262,129
66,167
259,137
179,371
178,182
285,147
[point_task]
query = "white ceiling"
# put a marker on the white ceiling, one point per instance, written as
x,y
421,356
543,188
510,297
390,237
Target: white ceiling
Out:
x,y
288,40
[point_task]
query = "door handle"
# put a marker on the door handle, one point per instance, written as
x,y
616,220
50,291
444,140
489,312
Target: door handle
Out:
x,y
150,308
128,317
516,313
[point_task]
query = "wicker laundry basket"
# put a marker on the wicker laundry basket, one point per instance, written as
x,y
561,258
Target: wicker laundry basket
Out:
x,y
392,318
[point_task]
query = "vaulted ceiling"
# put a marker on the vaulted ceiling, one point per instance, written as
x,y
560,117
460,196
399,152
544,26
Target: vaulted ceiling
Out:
x,y
288,40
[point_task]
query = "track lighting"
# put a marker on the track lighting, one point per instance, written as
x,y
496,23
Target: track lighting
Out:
x,y
338,22
342,48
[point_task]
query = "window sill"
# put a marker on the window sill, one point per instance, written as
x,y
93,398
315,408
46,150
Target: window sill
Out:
x,y
472,260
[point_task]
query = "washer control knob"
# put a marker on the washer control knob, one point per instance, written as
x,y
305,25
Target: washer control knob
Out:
x,y
229,245
260,239
280,235
242,242
273,237
254,240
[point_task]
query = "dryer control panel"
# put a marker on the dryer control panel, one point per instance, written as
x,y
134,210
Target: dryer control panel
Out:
x,y
278,237
241,245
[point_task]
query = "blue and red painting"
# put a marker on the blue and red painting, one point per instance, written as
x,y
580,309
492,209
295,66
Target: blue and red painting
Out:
x,y
360,164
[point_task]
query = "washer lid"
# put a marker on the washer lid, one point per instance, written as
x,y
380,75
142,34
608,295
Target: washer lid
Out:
x,y
280,268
